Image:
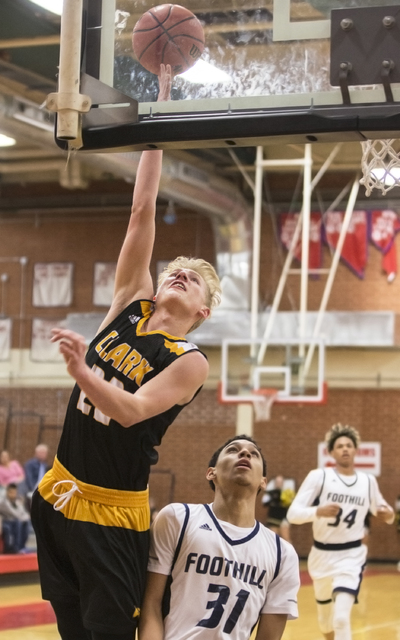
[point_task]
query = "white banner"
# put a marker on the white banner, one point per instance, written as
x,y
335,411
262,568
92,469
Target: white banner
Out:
x,y
52,284
103,288
42,349
368,457
5,338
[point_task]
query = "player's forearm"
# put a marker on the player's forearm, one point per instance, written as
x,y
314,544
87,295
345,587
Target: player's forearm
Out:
x,y
151,626
147,179
112,401
300,514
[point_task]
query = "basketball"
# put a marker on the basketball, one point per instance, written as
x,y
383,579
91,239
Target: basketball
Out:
x,y
168,34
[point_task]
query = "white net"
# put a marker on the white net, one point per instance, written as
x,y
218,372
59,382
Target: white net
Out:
x,y
380,164
263,405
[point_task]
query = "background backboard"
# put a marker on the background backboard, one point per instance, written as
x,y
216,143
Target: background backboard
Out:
x,y
265,75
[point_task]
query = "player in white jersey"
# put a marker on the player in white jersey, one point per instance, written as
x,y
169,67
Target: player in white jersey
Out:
x,y
214,571
337,501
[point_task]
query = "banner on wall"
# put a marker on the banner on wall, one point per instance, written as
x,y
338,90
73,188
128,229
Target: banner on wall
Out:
x,y
368,457
5,338
103,286
354,252
42,349
52,284
288,223
384,226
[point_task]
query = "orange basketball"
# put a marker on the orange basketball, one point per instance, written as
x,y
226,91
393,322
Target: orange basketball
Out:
x,y
168,34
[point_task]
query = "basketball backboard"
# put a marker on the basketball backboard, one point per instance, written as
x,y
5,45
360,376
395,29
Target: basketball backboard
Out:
x,y
247,367
265,75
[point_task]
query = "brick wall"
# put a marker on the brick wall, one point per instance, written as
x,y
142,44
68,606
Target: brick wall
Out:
x,y
289,441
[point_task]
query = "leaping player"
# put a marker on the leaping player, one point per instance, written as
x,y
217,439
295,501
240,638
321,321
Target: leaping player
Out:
x,y
337,501
91,510
214,571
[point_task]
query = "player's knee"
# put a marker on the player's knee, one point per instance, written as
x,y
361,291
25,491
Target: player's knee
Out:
x,y
341,621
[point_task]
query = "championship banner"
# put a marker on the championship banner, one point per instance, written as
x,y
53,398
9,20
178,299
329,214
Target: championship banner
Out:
x,y
384,226
42,349
368,457
103,287
5,338
288,223
52,284
354,251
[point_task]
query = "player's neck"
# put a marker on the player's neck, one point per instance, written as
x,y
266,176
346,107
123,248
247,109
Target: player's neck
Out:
x,y
345,471
237,510
163,320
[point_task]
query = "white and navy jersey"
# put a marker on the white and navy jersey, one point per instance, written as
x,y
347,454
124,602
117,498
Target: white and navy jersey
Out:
x,y
223,576
355,495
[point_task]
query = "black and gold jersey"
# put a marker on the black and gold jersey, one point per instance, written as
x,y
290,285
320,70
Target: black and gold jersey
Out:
x,y
98,450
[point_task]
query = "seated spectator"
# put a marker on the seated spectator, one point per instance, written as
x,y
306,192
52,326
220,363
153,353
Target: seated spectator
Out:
x,y
278,497
10,472
36,467
15,521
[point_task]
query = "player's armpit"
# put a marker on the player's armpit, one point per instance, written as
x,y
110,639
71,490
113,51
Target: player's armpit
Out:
x,y
151,625
271,626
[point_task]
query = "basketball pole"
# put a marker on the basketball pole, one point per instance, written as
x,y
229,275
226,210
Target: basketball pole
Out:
x,y
68,102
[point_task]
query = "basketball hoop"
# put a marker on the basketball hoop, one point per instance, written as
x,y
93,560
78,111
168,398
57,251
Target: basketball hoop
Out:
x,y
380,164
263,405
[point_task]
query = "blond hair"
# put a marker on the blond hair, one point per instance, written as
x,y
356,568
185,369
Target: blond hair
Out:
x,y
338,431
206,271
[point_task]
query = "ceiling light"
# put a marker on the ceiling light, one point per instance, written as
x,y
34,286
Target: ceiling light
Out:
x,y
205,73
6,141
55,6
389,177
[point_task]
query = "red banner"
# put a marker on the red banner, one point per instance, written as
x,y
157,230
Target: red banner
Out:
x,y
354,251
288,223
384,226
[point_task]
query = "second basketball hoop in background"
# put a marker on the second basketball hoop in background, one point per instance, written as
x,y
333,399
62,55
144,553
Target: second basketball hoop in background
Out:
x,y
168,34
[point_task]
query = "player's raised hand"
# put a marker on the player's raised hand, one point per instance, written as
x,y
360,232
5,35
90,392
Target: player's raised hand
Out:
x,y
328,511
73,348
165,83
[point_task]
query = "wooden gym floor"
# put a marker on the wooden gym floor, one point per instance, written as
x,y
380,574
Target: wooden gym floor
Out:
x,y
24,616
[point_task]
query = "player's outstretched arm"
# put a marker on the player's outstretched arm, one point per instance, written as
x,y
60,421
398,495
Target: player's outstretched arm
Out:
x,y
151,625
176,384
271,626
132,278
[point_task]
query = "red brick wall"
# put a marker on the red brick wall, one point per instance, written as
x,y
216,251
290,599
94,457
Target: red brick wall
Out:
x,y
289,441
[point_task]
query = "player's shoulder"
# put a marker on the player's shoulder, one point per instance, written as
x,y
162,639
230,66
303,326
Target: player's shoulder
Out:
x,y
179,510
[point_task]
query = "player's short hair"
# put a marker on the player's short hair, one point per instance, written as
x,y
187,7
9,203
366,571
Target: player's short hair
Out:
x,y
215,455
339,431
206,271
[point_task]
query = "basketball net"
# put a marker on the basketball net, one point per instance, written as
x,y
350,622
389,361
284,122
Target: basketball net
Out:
x,y
380,164
263,405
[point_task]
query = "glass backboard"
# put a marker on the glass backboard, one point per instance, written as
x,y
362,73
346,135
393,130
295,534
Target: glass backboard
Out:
x,y
264,76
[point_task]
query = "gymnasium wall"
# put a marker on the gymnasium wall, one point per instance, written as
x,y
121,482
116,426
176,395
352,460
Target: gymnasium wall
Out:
x,y
31,412
289,441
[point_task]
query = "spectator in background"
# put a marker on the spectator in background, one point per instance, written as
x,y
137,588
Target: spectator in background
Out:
x,y
10,472
278,497
15,521
36,467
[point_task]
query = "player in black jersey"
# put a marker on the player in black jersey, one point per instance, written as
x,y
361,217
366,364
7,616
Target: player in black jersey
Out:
x,y
90,512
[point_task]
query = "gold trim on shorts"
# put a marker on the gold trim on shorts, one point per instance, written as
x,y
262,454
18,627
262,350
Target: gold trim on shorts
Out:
x,y
106,507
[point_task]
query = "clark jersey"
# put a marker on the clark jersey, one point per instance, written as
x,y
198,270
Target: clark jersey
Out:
x,y
355,495
98,450
222,576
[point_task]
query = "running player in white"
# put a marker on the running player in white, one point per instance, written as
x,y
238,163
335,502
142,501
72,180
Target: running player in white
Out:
x,y
214,571
337,500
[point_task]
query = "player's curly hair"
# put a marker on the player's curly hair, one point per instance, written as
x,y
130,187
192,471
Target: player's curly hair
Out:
x,y
338,431
215,455
206,271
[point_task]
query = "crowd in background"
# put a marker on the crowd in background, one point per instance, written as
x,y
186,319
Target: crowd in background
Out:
x,y
17,484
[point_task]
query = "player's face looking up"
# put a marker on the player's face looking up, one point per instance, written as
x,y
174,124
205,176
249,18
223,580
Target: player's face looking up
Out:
x,y
344,452
239,463
185,285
